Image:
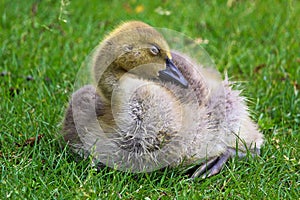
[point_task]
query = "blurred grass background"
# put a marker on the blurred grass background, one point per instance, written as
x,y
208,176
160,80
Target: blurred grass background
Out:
x,y
43,44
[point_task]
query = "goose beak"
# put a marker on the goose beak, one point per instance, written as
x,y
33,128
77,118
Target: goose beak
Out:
x,y
172,74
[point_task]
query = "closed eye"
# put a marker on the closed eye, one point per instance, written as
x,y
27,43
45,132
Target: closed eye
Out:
x,y
154,50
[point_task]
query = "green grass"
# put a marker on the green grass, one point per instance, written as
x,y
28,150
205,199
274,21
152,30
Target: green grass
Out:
x,y
36,41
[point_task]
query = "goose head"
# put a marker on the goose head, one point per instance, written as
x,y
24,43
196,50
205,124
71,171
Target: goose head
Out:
x,y
129,46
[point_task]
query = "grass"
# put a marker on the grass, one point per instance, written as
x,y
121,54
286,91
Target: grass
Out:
x,y
43,44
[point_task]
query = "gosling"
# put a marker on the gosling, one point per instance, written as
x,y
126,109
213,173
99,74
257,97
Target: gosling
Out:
x,y
167,112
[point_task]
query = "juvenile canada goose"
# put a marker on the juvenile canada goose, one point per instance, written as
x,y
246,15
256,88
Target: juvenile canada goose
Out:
x,y
152,108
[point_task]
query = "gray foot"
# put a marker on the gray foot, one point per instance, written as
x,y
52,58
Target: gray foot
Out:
x,y
214,165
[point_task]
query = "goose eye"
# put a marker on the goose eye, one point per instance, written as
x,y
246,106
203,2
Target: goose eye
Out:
x,y
127,47
154,50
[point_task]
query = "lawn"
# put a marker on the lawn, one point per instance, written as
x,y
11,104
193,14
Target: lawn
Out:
x,y
44,43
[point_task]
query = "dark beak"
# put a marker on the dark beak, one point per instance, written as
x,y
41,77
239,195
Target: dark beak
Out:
x,y
172,74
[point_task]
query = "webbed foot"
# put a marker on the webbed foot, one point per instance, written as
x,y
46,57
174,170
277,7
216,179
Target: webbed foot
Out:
x,y
214,165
